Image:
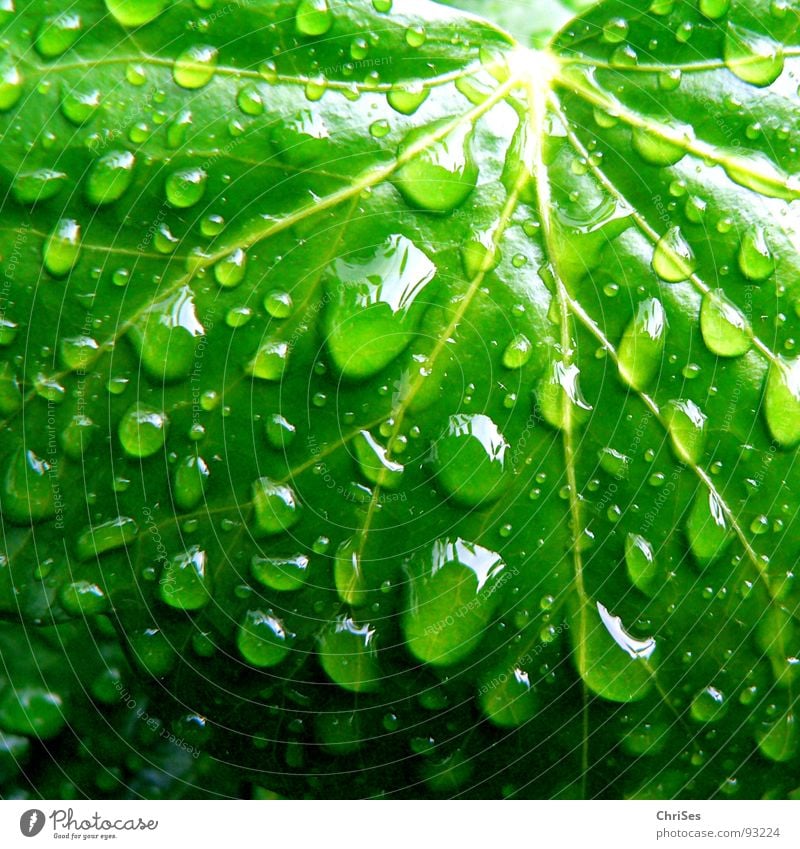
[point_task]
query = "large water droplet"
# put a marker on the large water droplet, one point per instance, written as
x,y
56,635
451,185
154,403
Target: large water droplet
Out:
x,y
408,98
754,58
714,9
559,397
275,506
313,17
31,187
302,140
452,597
779,739
709,705
230,271
195,67
191,478
348,655
658,150
782,401
349,578
185,581
165,337
263,639
707,527
80,106
612,662
725,329
755,257
375,463
641,349
640,561
83,598
31,711
470,459
10,83
507,697
110,177
673,259
186,187
57,34
108,536
143,430
686,424
270,361
375,303
440,175
61,250
136,13
27,493
77,352
283,574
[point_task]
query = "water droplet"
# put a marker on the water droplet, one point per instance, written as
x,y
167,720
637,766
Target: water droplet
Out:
x,y
10,83
229,272
195,67
278,304
83,598
79,106
374,462
779,740
165,336
27,491
143,430
782,401
452,598
480,255
375,303
31,711
416,36
313,18
714,9
709,705
641,349
441,175
263,639
270,361
77,352
612,662
349,578
108,536
508,698
249,100
559,396
753,58
640,562
110,177
686,424
283,574
348,654
185,581
517,352
8,331
62,247
279,431
407,99
707,528
191,479
31,187
673,259
755,257
655,149
136,13
379,129
615,30
470,459
725,329
185,188
275,505
57,34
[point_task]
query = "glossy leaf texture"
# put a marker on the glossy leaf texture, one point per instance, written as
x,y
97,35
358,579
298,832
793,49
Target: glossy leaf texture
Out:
x,y
415,405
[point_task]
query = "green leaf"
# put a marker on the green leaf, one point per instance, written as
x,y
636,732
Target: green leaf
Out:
x,y
351,347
